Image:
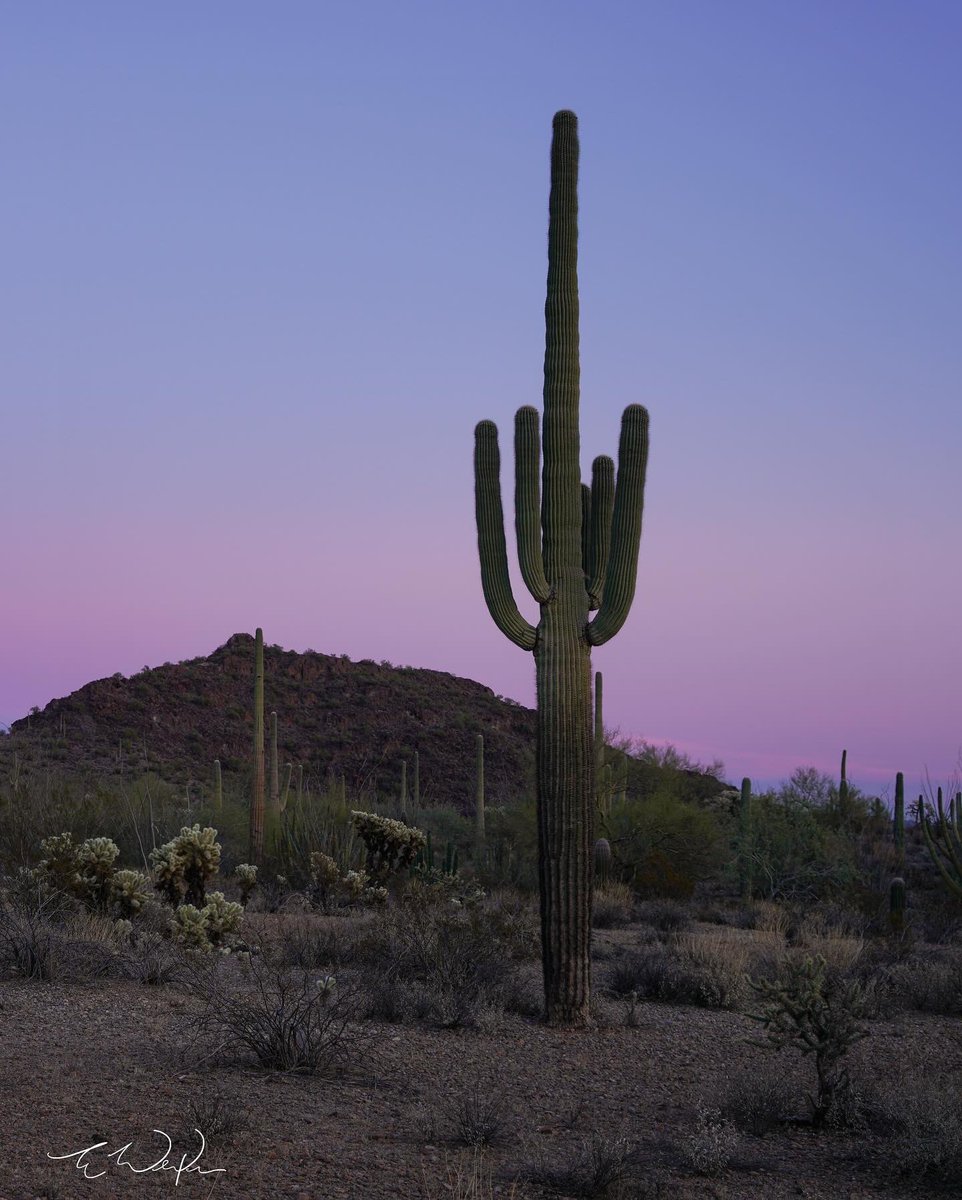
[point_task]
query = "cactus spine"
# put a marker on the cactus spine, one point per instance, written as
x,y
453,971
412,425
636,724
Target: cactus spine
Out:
x,y
745,840
275,771
257,799
898,821
578,552
218,785
479,792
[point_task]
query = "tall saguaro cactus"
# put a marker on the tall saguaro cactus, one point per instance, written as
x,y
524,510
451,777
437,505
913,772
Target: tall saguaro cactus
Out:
x,y
578,553
256,848
479,791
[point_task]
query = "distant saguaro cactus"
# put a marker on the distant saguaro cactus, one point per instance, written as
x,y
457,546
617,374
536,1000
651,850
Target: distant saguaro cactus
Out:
x,y
218,785
275,768
898,820
578,552
479,792
256,854
745,840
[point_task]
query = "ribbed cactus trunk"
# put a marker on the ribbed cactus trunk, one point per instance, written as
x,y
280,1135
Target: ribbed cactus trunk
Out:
x,y
599,743
479,792
578,551
745,841
218,786
416,785
275,768
898,821
404,790
256,848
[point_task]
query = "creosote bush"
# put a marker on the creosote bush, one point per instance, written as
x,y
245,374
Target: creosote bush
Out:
x,y
281,1020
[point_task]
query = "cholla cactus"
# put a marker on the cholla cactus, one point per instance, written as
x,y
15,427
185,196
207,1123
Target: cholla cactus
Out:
x,y
355,883
85,871
246,875
129,891
59,868
185,864
189,927
222,916
96,857
209,927
391,845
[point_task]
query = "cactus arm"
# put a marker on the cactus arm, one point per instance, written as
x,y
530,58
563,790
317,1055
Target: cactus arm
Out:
x,y
527,502
602,503
586,531
495,581
561,471
619,587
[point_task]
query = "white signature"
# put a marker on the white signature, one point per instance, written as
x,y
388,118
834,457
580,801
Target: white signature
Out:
x,y
164,1163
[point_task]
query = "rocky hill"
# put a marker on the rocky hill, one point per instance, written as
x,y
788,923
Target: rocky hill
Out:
x,y
335,717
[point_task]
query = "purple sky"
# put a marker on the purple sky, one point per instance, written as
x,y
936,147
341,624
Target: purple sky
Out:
x,y
267,265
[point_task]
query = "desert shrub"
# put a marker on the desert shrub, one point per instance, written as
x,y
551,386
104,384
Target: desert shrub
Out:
x,y
292,1021
49,940
307,942
153,960
597,1168
820,1013
667,916
479,1116
916,1116
756,1100
218,1117
664,846
612,907
673,976
711,1143
450,960
927,983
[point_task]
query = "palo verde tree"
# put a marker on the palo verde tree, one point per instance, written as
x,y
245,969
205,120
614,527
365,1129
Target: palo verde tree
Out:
x,y
578,552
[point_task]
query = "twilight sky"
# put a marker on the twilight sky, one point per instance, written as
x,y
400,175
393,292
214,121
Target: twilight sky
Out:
x,y
266,265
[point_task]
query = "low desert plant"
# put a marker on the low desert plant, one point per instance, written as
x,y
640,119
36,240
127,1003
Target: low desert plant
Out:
x,y
479,1118
596,1169
756,1100
294,1021
709,1146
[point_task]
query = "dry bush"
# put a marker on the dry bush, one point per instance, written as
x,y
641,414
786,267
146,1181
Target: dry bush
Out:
x,y
469,1179
448,962
915,1115
50,939
612,906
281,1020
599,1168
671,975
711,1142
218,1116
929,983
479,1116
756,1100
667,916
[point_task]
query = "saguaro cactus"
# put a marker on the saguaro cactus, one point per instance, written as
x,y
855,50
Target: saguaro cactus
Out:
x,y
218,785
275,768
898,820
479,792
256,854
578,552
599,745
843,792
745,840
